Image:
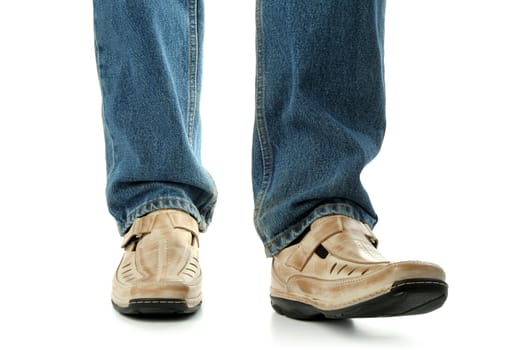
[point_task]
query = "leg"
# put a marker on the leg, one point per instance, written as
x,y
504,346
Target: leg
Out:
x,y
149,64
320,112
320,120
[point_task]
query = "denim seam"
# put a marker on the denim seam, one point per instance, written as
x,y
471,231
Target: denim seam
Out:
x,y
380,37
102,89
107,130
262,129
111,168
138,211
192,69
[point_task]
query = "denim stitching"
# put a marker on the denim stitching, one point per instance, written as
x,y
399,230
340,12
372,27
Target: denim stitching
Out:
x,y
192,69
262,130
112,162
380,34
107,129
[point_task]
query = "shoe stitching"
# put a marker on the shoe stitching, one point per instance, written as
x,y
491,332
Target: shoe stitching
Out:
x,y
421,282
157,302
326,306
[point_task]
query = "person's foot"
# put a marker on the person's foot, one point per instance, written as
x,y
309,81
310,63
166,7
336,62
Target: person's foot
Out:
x,y
160,271
335,271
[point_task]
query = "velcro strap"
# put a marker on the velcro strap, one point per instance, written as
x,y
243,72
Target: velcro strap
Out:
x,y
310,242
140,227
144,225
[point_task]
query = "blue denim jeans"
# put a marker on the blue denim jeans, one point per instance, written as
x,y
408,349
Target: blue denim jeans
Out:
x,y
320,110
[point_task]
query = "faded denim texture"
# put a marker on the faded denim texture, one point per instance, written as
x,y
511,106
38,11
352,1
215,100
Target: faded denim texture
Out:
x,y
320,113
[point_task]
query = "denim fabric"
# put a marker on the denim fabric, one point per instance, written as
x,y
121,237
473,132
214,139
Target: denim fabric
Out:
x,y
149,64
319,114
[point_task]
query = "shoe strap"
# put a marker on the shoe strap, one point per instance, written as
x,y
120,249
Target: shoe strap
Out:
x,y
144,225
318,234
320,231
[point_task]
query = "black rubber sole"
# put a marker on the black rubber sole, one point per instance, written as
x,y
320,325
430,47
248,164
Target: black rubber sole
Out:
x,y
408,297
156,307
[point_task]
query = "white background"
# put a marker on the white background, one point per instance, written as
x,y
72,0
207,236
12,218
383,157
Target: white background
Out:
x,y
448,184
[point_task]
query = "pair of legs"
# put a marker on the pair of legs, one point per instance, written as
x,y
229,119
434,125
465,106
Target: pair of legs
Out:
x,y
320,118
319,114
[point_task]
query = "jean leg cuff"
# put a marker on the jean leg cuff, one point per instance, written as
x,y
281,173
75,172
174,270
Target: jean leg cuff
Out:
x,y
203,219
284,238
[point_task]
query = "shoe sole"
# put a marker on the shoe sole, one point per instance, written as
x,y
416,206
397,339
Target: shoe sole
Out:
x,y
407,297
156,306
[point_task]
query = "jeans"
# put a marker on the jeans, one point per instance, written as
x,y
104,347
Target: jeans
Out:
x,y
320,110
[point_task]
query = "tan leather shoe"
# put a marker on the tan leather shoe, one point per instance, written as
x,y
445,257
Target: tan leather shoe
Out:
x,y
160,272
335,271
